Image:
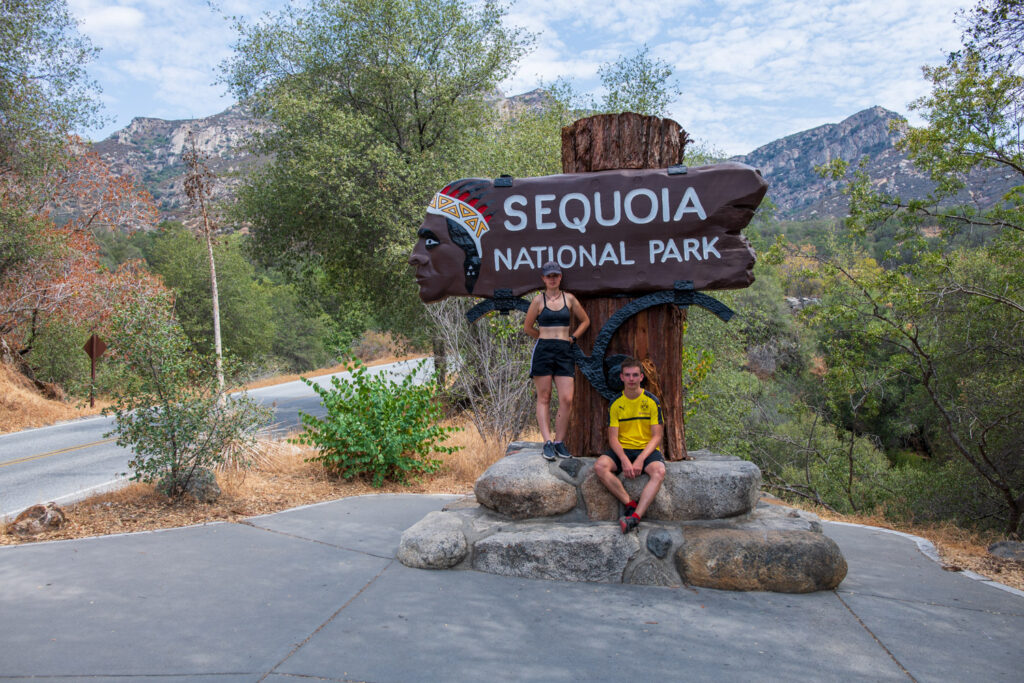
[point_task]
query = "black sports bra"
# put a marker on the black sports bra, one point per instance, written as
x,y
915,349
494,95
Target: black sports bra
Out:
x,y
559,318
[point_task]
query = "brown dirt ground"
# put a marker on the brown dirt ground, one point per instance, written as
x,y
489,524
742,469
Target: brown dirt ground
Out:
x,y
282,479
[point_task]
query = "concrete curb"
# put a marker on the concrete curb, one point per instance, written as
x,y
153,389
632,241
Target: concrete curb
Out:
x,y
928,549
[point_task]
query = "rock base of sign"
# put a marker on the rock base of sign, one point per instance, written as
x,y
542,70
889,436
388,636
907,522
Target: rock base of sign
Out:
x,y
562,528
523,485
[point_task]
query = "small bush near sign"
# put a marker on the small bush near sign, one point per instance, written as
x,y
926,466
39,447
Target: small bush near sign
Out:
x,y
376,427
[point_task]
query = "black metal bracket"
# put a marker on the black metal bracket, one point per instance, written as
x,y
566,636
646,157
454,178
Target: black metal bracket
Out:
x,y
504,180
503,302
602,372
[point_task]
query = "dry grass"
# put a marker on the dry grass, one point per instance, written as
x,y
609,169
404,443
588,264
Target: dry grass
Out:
x,y
22,407
281,479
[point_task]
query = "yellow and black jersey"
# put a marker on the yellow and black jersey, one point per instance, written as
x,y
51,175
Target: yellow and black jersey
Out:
x,y
634,417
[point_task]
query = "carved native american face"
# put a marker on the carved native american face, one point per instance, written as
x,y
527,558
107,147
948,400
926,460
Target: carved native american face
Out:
x,y
447,254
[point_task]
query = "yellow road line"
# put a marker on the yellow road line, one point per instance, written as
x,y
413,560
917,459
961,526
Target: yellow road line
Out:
x,y
57,452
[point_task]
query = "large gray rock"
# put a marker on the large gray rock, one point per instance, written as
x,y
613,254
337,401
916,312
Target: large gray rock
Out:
x,y
595,553
651,573
698,489
522,485
780,518
38,519
435,542
200,483
765,560
1007,550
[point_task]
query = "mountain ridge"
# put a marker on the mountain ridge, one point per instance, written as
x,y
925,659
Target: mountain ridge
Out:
x,y
149,150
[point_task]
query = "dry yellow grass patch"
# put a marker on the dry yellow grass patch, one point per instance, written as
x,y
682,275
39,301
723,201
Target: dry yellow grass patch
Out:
x,y
475,455
280,478
21,406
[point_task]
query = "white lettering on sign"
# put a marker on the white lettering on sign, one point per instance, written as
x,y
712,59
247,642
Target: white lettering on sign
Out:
x,y
542,211
575,223
566,257
690,204
588,255
699,250
574,210
651,197
510,202
616,206
530,258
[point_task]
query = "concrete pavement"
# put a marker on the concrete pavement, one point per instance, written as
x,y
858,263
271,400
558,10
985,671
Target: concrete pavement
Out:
x,y
315,592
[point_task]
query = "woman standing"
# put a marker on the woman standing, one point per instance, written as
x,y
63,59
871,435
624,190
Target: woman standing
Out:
x,y
549,320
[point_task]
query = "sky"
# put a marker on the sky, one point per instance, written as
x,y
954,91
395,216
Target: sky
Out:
x,y
749,71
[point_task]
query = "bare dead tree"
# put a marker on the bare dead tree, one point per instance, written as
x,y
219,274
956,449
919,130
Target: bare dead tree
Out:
x,y
488,365
199,188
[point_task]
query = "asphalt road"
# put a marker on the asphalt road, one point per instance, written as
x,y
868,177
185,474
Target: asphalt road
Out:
x,y
69,461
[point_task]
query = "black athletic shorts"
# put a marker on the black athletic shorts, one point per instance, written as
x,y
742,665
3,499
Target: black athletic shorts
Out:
x,y
655,456
552,357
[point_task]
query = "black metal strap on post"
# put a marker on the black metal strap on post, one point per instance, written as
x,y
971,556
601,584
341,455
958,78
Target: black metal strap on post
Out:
x,y
503,302
602,372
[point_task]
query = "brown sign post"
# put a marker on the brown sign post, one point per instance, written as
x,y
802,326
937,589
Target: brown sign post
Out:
x,y
94,348
625,218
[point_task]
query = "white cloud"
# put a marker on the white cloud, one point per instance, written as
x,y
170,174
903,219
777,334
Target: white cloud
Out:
x,y
750,70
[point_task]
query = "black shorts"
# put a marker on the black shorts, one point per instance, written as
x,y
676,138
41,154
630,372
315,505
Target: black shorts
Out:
x,y
552,357
655,456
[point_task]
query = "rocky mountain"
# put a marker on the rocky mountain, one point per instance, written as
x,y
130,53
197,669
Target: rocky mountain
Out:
x,y
800,193
150,150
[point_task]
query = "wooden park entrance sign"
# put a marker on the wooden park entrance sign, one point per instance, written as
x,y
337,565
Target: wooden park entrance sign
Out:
x,y
637,234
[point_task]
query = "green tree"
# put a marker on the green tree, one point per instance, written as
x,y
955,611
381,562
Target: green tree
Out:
x,y
372,103
45,95
638,83
199,188
246,310
944,319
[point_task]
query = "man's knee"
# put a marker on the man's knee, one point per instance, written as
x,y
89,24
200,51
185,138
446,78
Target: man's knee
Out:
x,y
603,466
656,471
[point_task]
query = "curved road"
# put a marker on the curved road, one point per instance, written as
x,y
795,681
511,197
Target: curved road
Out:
x,y
68,461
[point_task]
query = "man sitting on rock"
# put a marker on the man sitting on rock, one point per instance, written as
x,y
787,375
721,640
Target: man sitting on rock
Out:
x,y
635,431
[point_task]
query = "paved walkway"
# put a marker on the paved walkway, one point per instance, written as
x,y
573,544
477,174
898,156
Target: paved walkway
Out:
x,y
315,593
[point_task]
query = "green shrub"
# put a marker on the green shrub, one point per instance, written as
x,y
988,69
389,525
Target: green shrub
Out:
x,y
57,355
376,427
167,406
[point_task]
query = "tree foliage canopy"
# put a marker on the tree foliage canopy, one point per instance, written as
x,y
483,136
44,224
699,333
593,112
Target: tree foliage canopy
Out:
x,y
372,104
933,333
45,94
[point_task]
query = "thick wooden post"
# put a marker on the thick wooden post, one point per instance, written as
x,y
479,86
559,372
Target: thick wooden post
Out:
x,y
655,336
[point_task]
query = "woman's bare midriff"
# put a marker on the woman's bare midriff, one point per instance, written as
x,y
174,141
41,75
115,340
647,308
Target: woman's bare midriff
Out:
x,y
554,333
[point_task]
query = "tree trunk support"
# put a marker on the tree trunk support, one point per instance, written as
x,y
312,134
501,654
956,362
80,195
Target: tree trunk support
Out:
x,y
655,335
